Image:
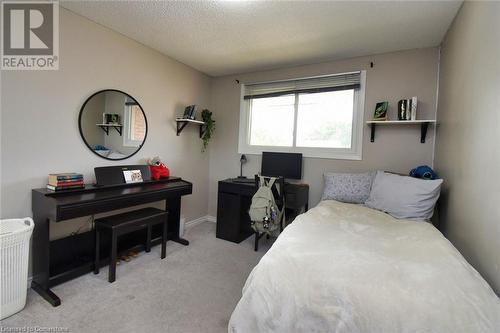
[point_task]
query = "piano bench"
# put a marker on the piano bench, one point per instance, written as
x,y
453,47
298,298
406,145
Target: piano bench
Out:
x,y
125,223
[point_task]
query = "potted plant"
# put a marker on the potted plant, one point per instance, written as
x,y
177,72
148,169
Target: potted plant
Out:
x,y
209,128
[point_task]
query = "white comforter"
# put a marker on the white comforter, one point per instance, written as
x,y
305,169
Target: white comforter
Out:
x,y
349,268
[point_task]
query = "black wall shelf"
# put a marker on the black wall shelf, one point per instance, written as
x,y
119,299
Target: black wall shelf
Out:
x,y
424,124
105,128
181,123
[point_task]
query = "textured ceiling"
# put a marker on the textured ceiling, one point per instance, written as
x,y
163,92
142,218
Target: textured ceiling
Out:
x,y
227,37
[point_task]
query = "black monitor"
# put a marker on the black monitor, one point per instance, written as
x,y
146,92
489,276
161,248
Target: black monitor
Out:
x,y
287,165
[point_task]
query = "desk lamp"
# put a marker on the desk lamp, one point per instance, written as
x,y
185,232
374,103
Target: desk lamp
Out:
x,y
243,160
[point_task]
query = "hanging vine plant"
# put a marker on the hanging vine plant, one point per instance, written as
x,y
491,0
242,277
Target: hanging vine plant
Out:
x,y
206,116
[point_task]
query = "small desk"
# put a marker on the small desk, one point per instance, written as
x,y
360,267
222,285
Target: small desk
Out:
x,y
233,202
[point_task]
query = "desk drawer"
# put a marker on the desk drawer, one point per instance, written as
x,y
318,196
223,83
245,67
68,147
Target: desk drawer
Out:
x,y
233,221
246,189
291,199
228,213
296,196
65,212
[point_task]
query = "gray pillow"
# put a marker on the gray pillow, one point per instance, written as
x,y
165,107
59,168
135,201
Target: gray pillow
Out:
x,y
347,187
404,197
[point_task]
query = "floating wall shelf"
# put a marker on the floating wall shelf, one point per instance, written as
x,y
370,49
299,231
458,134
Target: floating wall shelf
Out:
x,y
424,124
181,123
105,128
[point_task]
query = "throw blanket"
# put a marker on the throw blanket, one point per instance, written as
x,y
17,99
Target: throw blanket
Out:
x,y
348,268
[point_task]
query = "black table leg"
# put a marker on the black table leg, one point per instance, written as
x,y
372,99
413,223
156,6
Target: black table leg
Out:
x,y
41,255
148,239
112,262
97,249
164,239
47,294
173,206
180,241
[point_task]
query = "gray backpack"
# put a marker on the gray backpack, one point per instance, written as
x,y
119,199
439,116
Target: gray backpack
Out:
x,y
264,214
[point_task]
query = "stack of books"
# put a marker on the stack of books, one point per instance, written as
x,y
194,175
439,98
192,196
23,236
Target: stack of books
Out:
x,y
65,181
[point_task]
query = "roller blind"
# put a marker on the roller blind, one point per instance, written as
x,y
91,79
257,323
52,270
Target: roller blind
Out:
x,y
311,85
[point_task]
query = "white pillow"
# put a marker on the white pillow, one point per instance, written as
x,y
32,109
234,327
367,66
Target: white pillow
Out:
x,y
404,197
347,187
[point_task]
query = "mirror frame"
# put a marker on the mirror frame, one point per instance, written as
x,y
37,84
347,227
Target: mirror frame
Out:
x,y
85,141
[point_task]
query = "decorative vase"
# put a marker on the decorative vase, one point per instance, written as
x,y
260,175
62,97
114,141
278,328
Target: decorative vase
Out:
x,y
402,109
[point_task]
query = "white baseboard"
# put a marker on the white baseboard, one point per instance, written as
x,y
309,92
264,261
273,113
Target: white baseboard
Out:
x,y
199,220
212,219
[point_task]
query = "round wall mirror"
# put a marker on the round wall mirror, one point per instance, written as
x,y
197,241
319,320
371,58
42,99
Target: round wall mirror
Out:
x,y
113,124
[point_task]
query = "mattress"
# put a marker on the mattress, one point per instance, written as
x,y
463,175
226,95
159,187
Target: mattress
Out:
x,y
348,268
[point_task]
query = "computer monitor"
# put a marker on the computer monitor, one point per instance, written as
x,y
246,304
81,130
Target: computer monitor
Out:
x,y
287,165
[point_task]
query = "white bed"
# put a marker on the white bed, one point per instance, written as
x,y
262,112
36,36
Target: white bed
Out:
x,y
348,268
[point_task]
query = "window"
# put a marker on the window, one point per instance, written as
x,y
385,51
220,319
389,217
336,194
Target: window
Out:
x,y
271,121
318,117
134,125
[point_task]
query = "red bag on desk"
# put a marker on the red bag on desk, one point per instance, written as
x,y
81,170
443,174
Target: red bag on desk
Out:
x,y
158,169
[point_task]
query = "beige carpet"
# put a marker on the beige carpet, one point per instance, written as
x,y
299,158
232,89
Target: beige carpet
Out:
x,y
194,289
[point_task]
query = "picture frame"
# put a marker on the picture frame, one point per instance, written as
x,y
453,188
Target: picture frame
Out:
x,y
110,118
190,112
380,112
132,176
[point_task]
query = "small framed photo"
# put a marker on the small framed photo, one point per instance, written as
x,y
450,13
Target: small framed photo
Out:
x,y
111,118
381,111
190,112
132,176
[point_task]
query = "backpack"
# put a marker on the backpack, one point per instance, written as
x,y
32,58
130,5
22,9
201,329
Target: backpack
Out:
x,y
264,214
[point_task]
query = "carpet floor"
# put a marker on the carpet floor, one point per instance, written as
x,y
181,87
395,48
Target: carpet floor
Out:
x,y
194,289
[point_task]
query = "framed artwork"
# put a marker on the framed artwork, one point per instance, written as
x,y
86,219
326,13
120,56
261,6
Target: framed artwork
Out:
x,y
110,118
132,176
190,112
381,111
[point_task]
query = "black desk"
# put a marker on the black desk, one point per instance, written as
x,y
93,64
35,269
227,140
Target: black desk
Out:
x,y
233,202
58,261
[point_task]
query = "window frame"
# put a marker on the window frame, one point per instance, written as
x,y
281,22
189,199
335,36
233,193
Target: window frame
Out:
x,y
354,153
127,128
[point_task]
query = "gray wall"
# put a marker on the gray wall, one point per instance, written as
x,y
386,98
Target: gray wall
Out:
x,y
394,76
467,146
39,125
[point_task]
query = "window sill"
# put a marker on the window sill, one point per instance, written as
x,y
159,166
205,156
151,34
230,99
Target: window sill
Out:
x,y
306,152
